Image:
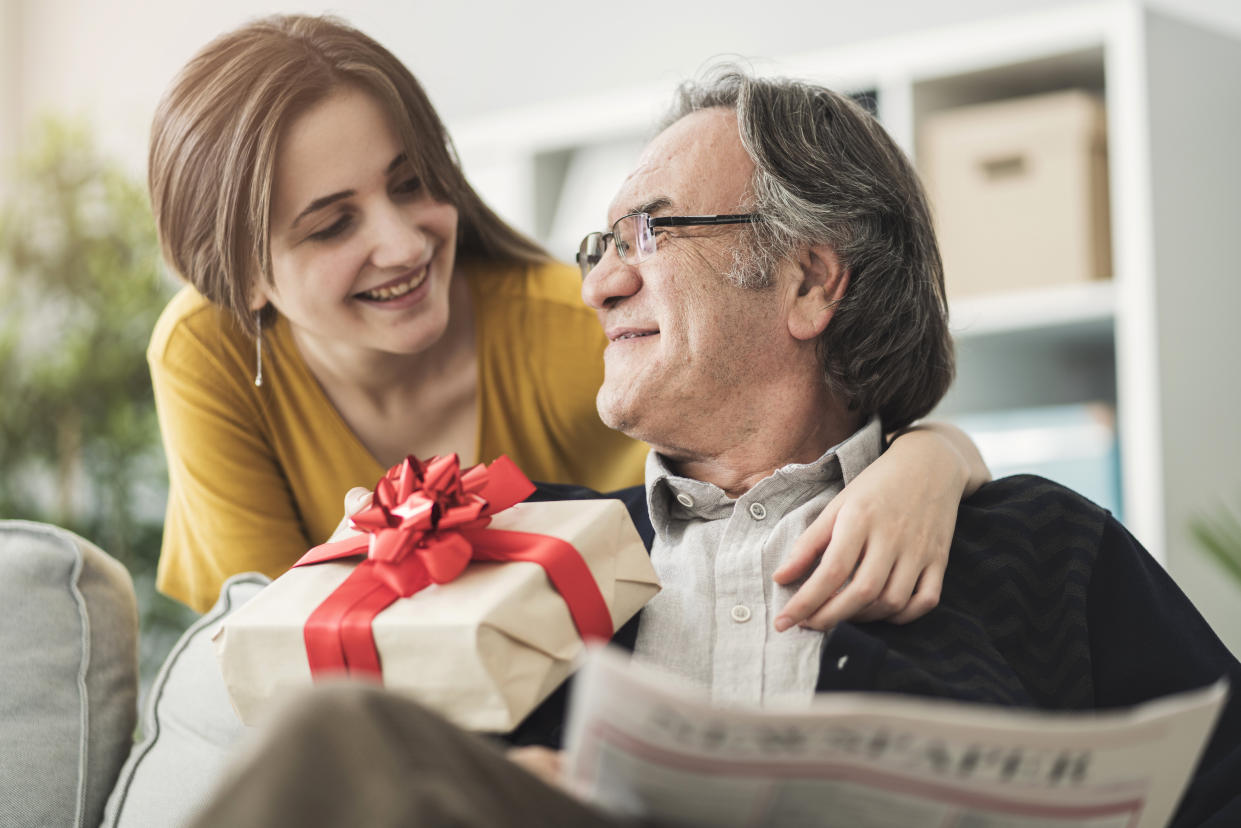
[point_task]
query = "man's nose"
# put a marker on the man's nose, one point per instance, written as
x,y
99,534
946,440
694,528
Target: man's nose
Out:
x,y
397,238
610,281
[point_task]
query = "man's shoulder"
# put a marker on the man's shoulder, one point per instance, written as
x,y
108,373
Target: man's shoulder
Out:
x,y
1031,497
1012,625
1028,517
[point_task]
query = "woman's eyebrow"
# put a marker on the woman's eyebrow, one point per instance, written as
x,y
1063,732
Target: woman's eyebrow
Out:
x,y
324,201
400,159
319,204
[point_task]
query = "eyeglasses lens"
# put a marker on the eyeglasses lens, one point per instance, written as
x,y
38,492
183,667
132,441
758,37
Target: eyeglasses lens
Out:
x,y
634,240
591,251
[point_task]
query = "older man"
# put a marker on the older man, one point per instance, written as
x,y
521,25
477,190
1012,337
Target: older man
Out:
x,y
773,293
743,351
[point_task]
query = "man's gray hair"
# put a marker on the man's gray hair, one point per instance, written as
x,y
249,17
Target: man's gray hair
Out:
x,y
827,173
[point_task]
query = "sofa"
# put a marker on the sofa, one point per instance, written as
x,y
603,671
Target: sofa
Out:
x,y
69,693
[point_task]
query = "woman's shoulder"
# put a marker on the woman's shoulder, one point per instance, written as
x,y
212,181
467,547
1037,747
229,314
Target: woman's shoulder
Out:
x,y
191,324
552,284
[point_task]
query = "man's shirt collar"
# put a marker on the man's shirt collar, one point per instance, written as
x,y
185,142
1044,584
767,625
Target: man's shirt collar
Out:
x,y
671,497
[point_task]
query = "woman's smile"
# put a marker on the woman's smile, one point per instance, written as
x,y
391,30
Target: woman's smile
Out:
x,y
397,288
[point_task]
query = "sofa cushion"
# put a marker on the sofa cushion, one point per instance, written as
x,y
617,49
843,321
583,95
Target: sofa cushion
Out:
x,y
68,675
188,724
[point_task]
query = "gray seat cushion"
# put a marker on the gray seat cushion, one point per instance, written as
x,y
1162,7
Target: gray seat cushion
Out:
x,y
188,724
68,675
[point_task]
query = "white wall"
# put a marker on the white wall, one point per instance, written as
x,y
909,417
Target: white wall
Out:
x,y
109,60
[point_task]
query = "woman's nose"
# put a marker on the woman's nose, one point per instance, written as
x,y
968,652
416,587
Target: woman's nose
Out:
x,y
398,238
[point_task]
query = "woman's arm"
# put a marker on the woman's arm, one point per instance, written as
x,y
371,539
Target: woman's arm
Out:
x,y
229,506
955,438
883,541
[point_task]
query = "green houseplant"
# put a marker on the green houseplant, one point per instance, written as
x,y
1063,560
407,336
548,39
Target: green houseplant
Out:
x,y
1219,534
81,285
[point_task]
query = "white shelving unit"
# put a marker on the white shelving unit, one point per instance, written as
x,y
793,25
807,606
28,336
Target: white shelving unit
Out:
x,y
1158,341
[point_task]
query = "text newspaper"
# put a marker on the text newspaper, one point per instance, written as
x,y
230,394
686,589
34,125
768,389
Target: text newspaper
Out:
x,y
638,744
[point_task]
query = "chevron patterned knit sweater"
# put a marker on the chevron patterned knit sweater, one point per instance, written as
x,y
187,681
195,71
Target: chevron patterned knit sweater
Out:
x,y
1047,603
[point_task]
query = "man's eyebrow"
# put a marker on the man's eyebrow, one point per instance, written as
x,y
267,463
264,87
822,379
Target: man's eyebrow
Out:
x,y
324,201
653,206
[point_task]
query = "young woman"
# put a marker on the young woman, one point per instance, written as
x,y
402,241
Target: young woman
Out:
x,y
351,300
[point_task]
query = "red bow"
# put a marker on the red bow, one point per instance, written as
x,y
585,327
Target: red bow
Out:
x,y
426,523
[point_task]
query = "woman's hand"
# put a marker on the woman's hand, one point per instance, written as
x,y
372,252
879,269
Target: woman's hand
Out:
x,y
356,499
884,539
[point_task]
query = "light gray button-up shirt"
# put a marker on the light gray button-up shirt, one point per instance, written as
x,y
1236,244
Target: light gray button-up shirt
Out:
x,y
712,622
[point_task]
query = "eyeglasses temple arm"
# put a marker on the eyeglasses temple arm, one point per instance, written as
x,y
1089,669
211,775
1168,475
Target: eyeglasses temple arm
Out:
x,y
683,221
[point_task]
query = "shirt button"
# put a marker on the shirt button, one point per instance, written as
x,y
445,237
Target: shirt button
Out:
x,y
758,511
685,500
740,613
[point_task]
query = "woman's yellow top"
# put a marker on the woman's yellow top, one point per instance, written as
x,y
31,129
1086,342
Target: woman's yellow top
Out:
x,y
257,475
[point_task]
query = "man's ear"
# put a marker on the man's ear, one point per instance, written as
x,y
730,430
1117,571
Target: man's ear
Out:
x,y
822,286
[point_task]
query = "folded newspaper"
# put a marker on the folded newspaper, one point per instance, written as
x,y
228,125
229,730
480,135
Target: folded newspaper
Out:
x,y
639,745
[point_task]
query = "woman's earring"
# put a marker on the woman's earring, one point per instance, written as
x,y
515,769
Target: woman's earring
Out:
x,y
258,349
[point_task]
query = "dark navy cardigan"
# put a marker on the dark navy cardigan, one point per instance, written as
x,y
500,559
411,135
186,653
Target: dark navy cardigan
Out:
x,y
1049,603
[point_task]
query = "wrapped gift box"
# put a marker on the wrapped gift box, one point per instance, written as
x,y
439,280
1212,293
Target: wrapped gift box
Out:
x,y
483,650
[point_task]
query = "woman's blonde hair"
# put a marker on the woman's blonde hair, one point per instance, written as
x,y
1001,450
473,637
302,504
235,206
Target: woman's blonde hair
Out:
x,y
213,149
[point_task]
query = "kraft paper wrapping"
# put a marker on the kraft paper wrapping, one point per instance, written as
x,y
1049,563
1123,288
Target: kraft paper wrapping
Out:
x,y
483,650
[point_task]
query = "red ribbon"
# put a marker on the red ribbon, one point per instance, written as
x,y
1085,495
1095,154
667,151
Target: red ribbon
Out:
x,y
426,523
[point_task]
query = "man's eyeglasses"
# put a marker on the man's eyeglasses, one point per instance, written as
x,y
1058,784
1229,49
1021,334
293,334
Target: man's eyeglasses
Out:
x,y
634,236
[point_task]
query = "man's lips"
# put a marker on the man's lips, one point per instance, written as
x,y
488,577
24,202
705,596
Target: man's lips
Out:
x,y
624,333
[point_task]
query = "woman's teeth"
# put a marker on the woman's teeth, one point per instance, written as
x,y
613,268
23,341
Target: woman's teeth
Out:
x,y
385,294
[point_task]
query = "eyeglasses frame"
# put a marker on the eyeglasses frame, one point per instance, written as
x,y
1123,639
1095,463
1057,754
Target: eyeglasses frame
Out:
x,y
658,221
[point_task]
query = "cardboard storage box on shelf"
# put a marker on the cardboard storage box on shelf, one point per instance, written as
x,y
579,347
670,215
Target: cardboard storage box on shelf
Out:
x,y
1019,193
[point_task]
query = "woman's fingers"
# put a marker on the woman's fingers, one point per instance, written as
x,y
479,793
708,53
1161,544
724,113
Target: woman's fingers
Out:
x,y
828,578
895,593
810,546
925,597
356,499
